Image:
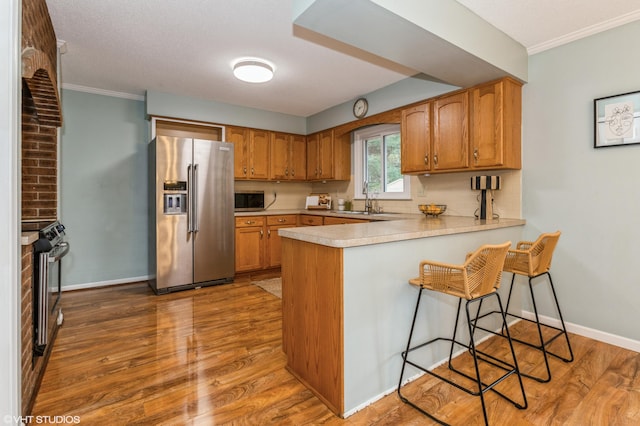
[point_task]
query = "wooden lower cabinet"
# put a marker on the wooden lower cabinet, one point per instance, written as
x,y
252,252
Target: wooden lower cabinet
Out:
x,y
331,220
258,242
310,220
250,247
258,245
274,250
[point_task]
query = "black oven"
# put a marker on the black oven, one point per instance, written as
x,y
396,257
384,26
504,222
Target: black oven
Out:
x,y
49,250
249,201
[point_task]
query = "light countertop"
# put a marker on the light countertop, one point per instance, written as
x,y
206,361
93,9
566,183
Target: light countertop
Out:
x,y
394,227
333,213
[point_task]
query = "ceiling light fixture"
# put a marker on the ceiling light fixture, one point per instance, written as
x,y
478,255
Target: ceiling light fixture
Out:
x,y
253,70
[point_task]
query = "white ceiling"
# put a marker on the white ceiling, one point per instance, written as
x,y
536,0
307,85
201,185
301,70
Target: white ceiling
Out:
x,y
186,47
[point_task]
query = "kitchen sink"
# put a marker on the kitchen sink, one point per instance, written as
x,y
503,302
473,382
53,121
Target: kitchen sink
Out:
x,y
363,212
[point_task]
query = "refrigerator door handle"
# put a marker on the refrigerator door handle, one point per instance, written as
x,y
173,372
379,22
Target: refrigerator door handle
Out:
x,y
196,226
189,200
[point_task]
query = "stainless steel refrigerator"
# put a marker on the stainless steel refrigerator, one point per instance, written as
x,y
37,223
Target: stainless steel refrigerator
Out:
x,y
192,226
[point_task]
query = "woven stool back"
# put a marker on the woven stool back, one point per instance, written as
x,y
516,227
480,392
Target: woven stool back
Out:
x,y
532,258
479,275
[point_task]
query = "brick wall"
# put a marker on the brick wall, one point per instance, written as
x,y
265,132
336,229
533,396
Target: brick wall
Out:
x,y
41,113
39,165
28,373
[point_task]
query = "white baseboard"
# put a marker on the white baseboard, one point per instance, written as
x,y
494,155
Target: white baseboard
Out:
x,y
601,336
105,283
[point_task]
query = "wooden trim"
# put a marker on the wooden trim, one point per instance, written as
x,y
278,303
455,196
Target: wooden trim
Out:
x,y
313,319
187,129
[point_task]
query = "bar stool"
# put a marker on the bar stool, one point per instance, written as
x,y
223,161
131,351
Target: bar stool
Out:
x,y
476,279
533,260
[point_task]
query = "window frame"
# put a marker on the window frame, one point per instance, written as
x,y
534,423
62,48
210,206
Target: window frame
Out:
x,y
359,159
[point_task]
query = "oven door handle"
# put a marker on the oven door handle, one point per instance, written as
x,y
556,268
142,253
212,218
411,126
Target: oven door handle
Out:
x,y
63,249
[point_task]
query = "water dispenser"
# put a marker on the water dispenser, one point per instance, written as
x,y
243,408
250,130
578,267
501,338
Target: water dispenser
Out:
x,y
175,197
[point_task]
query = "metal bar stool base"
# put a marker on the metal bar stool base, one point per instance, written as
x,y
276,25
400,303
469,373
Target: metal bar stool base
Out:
x,y
542,346
482,387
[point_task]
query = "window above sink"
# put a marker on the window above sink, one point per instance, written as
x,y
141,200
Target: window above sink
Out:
x,y
376,153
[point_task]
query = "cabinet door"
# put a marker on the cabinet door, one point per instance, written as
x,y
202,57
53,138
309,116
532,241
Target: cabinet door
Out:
x,y
239,136
415,142
487,125
312,156
249,248
259,154
298,158
325,155
279,148
450,132
274,245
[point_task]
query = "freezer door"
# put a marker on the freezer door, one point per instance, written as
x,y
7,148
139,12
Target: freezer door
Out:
x,y
214,224
174,249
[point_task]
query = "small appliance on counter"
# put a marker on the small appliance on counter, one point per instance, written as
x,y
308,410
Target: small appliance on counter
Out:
x,y
249,201
318,202
485,184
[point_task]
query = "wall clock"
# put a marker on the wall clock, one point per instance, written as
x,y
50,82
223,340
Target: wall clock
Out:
x,y
360,107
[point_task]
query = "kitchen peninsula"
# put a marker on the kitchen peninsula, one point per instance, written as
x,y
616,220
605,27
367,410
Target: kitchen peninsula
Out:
x,y
347,306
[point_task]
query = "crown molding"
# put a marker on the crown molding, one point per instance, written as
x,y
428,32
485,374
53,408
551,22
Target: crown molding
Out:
x,y
585,32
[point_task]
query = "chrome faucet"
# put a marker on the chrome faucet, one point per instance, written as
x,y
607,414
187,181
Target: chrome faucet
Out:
x,y
367,200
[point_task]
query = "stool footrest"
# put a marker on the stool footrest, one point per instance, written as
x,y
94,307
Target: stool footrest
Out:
x,y
486,386
524,342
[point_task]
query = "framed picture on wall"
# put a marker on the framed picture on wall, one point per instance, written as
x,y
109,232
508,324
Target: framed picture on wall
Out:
x,y
617,120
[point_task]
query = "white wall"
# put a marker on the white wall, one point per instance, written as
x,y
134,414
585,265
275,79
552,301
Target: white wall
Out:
x,y
9,211
591,195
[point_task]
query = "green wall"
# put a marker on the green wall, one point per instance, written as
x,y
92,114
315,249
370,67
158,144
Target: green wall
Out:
x,y
103,188
591,195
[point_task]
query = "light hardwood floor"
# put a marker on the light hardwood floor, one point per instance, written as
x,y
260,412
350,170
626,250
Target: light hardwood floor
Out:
x,y
214,356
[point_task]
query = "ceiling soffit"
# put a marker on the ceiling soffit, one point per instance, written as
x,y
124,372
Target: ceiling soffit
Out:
x,y
439,38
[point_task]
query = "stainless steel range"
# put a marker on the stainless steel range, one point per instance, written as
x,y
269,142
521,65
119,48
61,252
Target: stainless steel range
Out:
x,y
49,250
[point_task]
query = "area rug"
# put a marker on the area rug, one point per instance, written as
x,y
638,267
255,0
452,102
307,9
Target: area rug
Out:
x,y
272,285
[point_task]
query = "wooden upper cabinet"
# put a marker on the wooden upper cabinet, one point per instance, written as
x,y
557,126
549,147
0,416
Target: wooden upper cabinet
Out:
x,y
312,156
298,158
415,143
451,132
239,136
288,156
279,167
325,155
496,110
328,156
250,152
259,154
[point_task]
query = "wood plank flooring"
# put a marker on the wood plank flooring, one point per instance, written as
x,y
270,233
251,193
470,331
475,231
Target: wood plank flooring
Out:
x,y
214,356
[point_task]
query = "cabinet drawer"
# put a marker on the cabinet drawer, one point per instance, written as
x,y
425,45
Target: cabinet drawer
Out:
x,y
244,221
309,220
330,220
285,219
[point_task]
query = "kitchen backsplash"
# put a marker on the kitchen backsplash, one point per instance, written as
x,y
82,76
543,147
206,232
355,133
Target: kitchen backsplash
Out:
x,y
452,189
